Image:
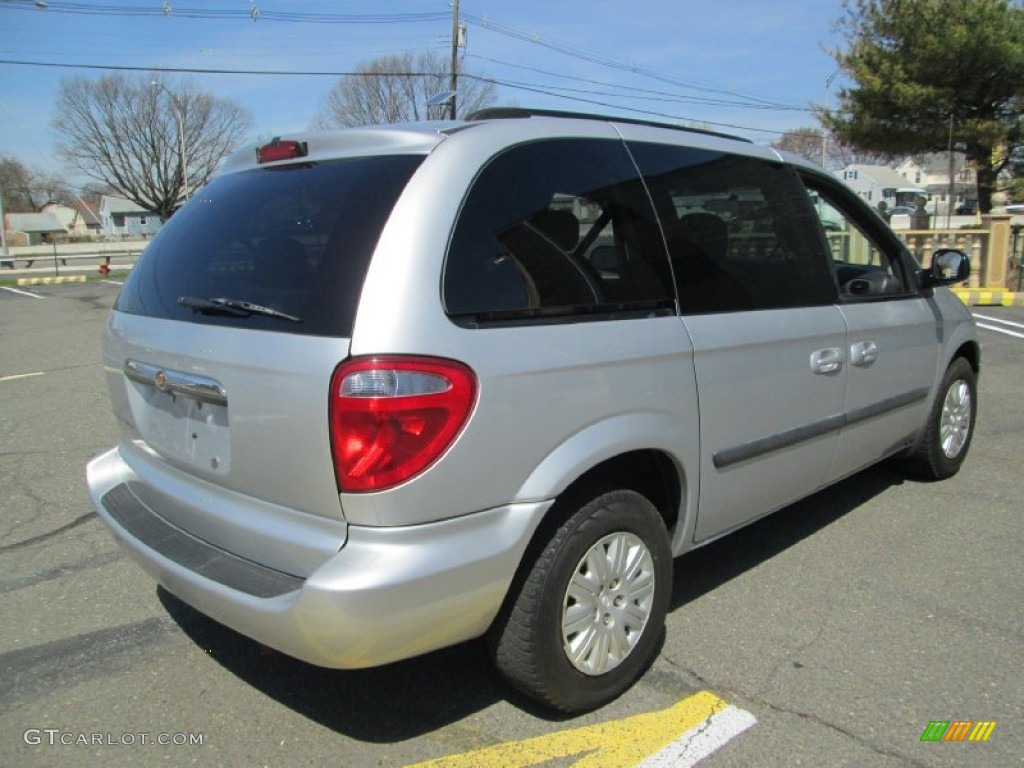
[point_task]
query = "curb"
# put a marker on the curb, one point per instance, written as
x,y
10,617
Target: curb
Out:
x,y
989,297
92,269
50,280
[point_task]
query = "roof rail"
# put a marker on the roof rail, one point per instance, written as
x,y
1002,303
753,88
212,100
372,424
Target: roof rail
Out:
x,y
505,113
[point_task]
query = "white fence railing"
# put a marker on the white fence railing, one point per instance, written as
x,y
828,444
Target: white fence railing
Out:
x,y
73,257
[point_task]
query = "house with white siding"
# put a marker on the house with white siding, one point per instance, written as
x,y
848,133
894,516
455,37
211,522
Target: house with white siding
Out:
x,y
915,176
78,220
932,171
880,183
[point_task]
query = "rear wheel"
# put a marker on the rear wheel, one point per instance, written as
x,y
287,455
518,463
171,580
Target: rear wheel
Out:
x,y
588,617
947,435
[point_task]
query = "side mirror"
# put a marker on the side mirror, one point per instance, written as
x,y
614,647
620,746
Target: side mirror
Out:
x,y
949,266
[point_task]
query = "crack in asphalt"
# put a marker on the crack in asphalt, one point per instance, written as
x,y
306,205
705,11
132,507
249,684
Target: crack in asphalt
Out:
x,y
96,561
763,702
81,520
699,731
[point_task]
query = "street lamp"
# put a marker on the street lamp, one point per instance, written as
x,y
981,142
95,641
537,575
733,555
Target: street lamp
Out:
x,y
179,113
824,131
445,97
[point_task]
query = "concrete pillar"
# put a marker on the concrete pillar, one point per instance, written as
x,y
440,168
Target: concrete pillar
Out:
x,y
920,219
993,271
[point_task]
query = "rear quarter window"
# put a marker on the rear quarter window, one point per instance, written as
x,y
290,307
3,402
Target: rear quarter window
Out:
x,y
559,230
297,239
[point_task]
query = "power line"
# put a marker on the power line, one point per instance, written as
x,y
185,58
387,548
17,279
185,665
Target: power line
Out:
x,y
501,28
207,71
175,10
483,22
648,112
640,93
292,73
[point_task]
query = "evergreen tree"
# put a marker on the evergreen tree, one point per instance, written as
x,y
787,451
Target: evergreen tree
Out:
x,y
931,73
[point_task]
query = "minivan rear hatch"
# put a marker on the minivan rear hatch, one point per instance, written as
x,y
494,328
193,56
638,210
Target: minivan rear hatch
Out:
x,y
221,345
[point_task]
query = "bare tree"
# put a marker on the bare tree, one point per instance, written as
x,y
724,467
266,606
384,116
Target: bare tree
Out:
x,y
395,89
92,192
846,154
807,142
125,134
25,189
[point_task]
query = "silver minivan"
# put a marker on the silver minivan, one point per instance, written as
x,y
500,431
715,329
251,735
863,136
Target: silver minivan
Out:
x,y
388,389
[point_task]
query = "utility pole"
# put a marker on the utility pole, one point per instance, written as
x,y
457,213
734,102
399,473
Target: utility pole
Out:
x,y
455,57
949,196
3,232
179,113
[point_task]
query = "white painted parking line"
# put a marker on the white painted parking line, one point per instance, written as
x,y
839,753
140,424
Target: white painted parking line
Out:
x,y
21,293
21,376
697,743
1004,331
999,320
112,282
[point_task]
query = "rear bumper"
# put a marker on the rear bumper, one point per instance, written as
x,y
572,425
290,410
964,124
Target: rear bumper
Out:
x,y
388,593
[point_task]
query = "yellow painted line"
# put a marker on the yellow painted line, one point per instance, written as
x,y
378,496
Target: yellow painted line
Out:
x,y
51,280
990,297
616,744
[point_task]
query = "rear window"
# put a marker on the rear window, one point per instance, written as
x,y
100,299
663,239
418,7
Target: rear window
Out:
x,y
294,239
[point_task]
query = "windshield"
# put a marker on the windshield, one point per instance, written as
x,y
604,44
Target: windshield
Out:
x,y
295,240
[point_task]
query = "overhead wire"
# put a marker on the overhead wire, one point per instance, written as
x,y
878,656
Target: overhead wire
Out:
x,y
638,93
292,73
483,22
508,30
736,99
175,10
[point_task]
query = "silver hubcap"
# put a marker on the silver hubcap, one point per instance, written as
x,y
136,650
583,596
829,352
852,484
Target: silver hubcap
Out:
x,y
608,603
956,419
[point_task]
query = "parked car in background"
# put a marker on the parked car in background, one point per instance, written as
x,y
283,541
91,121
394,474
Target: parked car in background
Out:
x,y
406,386
901,210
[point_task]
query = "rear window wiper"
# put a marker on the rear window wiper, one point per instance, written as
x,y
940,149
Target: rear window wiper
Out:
x,y
233,307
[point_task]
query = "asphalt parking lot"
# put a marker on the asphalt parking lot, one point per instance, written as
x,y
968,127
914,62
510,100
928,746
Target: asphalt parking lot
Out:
x,y
838,629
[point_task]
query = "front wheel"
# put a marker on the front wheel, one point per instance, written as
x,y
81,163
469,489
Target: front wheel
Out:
x,y
589,615
947,435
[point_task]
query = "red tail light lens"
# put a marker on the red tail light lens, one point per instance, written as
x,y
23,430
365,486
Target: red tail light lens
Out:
x,y
392,417
281,150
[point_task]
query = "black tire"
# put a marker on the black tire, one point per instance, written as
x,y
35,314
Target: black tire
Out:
x,y
946,438
531,638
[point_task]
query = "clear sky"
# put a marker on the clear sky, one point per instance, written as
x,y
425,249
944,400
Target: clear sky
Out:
x,y
742,66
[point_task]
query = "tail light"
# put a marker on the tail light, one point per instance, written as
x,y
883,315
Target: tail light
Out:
x,y
279,149
392,417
